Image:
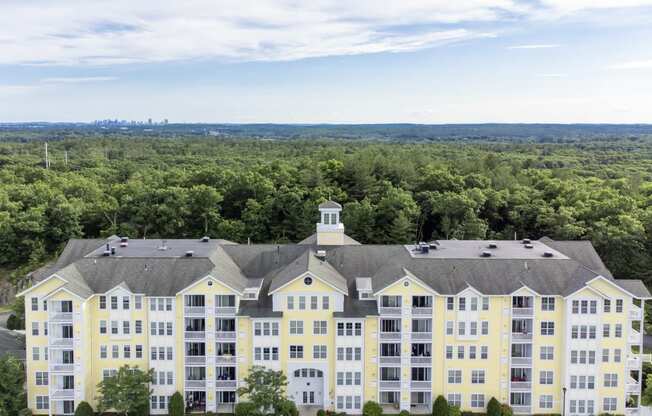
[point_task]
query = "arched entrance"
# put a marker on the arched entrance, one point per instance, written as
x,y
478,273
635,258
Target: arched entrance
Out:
x,y
306,387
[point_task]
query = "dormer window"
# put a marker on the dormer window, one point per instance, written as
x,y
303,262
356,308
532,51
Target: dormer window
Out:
x,y
330,218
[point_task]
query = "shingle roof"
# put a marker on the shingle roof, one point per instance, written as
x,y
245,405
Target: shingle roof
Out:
x,y
330,205
308,262
312,240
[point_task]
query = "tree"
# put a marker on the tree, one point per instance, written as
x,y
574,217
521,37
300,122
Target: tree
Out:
x,y
176,406
127,392
646,397
84,409
493,407
440,407
286,408
12,394
264,388
372,408
245,409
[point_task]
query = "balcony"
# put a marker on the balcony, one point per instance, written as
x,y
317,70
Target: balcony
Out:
x,y
389,385
390,311
60,317
59,393
390,335
225,334
390,360
225,311
422,311
198,311
61,342
632,411
522,312
62,368
195,359
522,409
422,336
635,313
421,360
522,336
225,384
194,335
634,361
225,359
421,385
521,385
522,361
632,386
634,337
195,384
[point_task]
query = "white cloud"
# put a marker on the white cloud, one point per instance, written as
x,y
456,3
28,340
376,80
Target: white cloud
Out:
x,y
534,46
642,64
76,80
88,32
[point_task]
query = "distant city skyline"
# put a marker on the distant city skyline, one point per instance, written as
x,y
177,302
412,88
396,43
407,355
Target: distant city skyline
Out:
x,y
418,61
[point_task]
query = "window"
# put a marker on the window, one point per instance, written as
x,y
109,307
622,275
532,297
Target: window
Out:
x,y
302,302
472,352
42,402
618,332
461,328
169,353
126,351
477,377
391,301
545,377
474,328
320,327
103,352
449,352
41,378
168,304
296,351
168,328
548,303
484,352
125,327
45,353
115,351
474,304
290,300
605,355
139,351
485,303
35,304
296,327
319,352
449,327
35,353
325,303
421,374
547,328
545,401
455,399
45,305
461,304
606,306
460,352
138,302
606,330
114,302
454,376
114,327
450,303
485,327
125,303
576,307
619,305
477,400
34,328
547,352
102,327
617,355
609,404
593,306
139,327
314,302
611,380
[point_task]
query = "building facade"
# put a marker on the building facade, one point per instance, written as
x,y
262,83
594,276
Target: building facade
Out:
x,y
541,325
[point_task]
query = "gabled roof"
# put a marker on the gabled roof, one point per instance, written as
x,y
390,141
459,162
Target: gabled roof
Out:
x,y
312,240
635,287
309,263
330,205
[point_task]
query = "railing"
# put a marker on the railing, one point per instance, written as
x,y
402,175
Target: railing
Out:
x,y
632,386
421,311
521,409
225,359
225,310
522,336
196,359
62,368
194,334
521,385
635,313
522,311
634,337
225,384
389,384
393,311
422,336
61,342
421,360
632,411
522,361
390,360
225,335
195,384
62,394
194,311
60,317
414,384
390,335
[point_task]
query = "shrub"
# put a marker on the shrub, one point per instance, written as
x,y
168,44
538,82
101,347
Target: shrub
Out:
x,y
25,412
454,410
12,322
176,407
506,410
493,407
440,406
372,408
245,409
321,412
210,414
84,409
404,413
287,408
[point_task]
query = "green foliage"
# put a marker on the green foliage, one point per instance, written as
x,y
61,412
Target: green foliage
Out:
x,y
372,408
13,322
12,394
440,406
321,412
646,397
265,389
245,409
286,408
176,407
454,410
84,409
506,410
25,412
127,392
404,413
493,407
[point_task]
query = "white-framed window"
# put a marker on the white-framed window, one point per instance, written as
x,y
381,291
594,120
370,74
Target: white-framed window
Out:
x,y
461,304
606,330
102,327
139,351
547,352
545,377
450,327
473,330
485,327
320,327
138,302
611,380
103,352
472,352
126,327
545,401
547,328
314,303
606,306
609,404
449,352
319,352
460,352
35,353
485,303
477,400
35,328
450,303
290,302
42,402
454,376
455,399
484,352
41,378
139,326
619,305
477,377
461,328
296,351
296,327
618,332
302,303
325,303
547,303
115,351
35,304
114,327
102,302
114,302
125,303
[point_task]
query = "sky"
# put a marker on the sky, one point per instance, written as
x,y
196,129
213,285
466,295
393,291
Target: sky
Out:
x,y
327,61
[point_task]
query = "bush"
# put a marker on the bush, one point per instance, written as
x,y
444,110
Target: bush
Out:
x,y
176,407
454,410
84,409
287,408
440,406
245,409
506,410
493,407
372,408
404,413
13,322
321,412
210,414
25,412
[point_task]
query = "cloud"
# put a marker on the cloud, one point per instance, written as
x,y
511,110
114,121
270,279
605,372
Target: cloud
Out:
x,y
642,64
83,32
535,46
76,80
553,75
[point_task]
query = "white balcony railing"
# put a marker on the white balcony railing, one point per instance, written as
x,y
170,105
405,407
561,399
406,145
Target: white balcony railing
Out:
x,y
422,311
225,311
632,386
196,359
61,342
390,335
389,384
62,368
225,359
195,384
522,361
422,336
62,394
194,334
635,313
421,360
634,337
194,311
521,385
391,311
225,334
225,384
60,316
421,385
390,360
522,336
522,311
521,409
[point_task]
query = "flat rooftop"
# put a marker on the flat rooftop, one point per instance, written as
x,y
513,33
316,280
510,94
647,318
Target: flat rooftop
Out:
x,y
474,249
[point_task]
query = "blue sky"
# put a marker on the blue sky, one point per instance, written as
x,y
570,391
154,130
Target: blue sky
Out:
x,y
327,61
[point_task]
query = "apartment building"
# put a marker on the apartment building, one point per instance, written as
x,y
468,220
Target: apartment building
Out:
x,y
541,325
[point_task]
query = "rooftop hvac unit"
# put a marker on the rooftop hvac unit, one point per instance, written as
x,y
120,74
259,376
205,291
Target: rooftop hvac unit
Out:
x,y
547,254
189,253
106,253
124,239
526,241
529,246
205,239
321,254
486,254
123,244
425,248
493,245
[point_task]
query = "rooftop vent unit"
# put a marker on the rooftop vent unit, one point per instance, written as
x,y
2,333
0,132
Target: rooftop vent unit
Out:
x,y
106,253
425,248
189,253
493,245
205,239
432,246
548,254
529,246
163,246
123,244
485,254
527,241
113,251
124,239
321,254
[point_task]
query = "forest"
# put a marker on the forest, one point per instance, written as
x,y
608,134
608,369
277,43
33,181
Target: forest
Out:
x,y
266,190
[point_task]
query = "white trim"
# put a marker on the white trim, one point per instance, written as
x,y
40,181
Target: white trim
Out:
x,y
208,276
411,278
118,286
40,283
596,291
526,287
57,290
614,285
469,288
304,274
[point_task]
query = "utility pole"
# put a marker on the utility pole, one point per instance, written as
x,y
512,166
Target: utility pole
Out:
x,y
47,160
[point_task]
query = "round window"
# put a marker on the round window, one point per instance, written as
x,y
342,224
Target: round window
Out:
x,y
210,283
406,283
307,281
